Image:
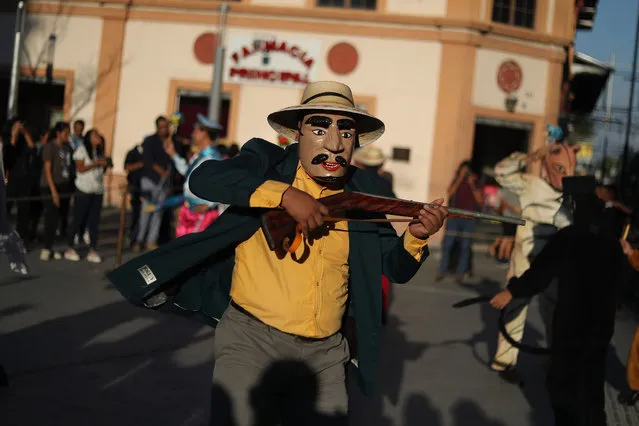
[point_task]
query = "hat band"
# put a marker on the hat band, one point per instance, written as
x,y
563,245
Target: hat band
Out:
x,y
319,95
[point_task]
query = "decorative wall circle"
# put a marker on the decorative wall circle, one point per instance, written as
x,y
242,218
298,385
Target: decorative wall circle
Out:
x,y
343,58
509,76
204,48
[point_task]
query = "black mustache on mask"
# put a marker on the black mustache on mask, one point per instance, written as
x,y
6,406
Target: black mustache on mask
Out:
x,y
341,161
320,158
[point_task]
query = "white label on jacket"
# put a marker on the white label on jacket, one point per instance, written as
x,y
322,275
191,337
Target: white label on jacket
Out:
x,y
147,274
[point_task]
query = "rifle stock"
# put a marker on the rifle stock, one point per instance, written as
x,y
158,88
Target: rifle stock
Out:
x,y
277,226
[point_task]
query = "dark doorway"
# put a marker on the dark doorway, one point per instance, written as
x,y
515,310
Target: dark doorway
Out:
x,y
190,104
494,142
39,104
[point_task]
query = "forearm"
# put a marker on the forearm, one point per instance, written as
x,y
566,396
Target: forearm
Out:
x,y
479,198
81,168
133,166
633,258
29,139
543,269
49,177
159,170
453,188
521,287
625,209
180,164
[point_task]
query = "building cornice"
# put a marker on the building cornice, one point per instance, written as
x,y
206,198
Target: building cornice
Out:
x,y
118,9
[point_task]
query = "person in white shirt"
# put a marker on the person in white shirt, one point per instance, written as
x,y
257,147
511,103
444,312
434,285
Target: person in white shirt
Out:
x,y
89,183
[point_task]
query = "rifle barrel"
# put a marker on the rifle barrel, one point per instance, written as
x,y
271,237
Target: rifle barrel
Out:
x,y
487,216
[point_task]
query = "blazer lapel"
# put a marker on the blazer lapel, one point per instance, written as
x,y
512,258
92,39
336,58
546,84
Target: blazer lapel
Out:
x,y
288,167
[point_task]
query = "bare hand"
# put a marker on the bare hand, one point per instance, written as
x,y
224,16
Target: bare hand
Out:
x,y
16,128
501,299
56,198
306,210
169,147
627,248
431,219
506,245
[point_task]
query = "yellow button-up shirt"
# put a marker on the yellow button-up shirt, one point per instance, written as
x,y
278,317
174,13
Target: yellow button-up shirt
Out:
x,y
303,293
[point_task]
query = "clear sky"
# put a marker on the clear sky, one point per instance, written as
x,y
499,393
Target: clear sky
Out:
x,y
614,31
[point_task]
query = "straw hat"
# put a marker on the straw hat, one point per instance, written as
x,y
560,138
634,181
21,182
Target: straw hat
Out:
x,y
370,156
329,97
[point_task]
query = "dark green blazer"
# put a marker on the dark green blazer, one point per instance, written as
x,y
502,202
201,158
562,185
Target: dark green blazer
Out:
x,y
191,276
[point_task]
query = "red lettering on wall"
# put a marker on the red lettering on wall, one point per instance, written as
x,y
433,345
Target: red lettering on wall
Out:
x,y
281,76
273,46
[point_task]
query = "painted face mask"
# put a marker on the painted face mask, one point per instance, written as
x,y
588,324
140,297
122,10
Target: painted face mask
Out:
x,y
326,145
560,162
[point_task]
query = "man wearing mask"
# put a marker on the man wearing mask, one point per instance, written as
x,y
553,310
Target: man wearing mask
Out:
x,y
540,201
275,305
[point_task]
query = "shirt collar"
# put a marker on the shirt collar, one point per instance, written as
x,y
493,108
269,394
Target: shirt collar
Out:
x,y
311,185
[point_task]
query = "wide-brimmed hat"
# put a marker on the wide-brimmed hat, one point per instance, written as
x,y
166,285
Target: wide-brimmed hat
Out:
x,y
370,156
330,97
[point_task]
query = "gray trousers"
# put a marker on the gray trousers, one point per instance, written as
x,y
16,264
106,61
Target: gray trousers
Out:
x,y
150,222
264,377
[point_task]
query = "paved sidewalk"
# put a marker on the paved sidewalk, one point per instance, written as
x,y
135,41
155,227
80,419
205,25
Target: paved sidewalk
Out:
x,y
77,354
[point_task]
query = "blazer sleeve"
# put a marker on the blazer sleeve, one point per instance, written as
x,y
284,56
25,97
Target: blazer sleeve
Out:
x,y
401,256
234,180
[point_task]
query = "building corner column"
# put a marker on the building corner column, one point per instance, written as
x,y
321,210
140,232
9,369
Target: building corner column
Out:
x,y
454,121
107,93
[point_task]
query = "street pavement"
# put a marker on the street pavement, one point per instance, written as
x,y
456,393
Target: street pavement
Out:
x,y
77,354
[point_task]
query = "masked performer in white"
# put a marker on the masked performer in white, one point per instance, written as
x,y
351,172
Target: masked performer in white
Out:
x,y
541,205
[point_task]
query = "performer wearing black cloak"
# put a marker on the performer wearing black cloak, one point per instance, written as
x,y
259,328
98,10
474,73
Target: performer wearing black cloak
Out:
x,y
586,262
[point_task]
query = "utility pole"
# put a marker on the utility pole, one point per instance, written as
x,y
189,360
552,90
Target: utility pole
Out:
x,y
611,82
215,101
15,64
633,79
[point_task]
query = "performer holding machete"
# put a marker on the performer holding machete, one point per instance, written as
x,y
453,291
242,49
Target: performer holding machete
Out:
x,y
586,262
